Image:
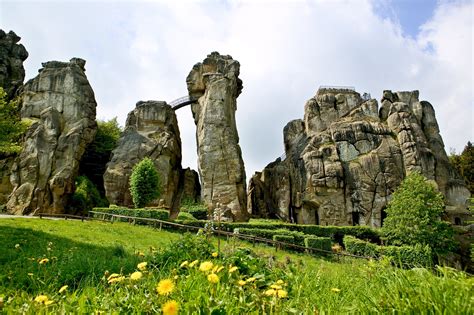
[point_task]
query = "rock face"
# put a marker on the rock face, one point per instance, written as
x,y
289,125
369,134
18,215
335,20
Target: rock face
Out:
x,y
151,131
216,85
191,186
12,56
345,159
61,105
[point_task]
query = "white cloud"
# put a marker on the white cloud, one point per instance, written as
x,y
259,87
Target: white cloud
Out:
x,y
144,50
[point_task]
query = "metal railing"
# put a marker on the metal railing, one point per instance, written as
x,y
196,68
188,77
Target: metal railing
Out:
x,y
181,102
336,87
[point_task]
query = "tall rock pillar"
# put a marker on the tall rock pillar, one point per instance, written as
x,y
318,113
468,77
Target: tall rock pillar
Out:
x,y
61,106
216,85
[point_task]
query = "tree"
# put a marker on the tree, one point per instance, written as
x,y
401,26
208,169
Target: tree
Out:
x,y
464,164
86,196
97,155
144,183
11,125
414,216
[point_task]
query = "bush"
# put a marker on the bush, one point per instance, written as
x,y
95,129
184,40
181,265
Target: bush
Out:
x,y
186,216
285,239
298,237
323,243
86,196
144,183
198,210
151,213
414,216
359,247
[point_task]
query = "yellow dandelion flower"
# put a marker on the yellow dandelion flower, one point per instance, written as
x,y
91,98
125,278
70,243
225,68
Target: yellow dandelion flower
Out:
x,y
63,288
241,283
142,266
165,287
117,279
114,275
41,298
213,278
220,269
206,266
215,254
137,275
251,279
184,264
194,263
282,294
233,269
336,290
43,261
280,282
270,292
48,302
275,286
170,308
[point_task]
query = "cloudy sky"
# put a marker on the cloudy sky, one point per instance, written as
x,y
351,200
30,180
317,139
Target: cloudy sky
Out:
x,y
287,49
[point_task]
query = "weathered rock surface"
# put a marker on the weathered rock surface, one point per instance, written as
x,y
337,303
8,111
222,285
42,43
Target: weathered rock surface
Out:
x,y
12,56
61,105
151,131
346,158
216,85
191,186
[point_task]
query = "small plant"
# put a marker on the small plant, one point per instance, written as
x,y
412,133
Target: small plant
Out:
x,y
144,183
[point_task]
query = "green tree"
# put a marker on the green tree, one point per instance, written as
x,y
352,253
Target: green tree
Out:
x,y
11,125
464,164
97,155
86,196
144,183
414,216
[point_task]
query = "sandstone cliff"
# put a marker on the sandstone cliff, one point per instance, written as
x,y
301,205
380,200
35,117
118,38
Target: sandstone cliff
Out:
x,y
216,85
61,105
151,131
345,159
12,56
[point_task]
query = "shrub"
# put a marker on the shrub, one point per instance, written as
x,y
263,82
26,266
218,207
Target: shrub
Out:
x,y
324,243
151,213
186,216
359,247
408,256
144,183
298,237
414,216
285,239
197,209
86,196
12,127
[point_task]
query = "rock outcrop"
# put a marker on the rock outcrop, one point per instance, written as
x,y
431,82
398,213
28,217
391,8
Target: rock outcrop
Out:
x,y
151,131
216,85
191,186
345,159
61,106
12,56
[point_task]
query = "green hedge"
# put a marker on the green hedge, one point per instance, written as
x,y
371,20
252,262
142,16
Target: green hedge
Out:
x,y
298,237
337,233
285,239
359,247
199,214
151,213
324,243
186,216
402,256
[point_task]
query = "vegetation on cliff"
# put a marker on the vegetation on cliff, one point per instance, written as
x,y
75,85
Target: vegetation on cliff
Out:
x,y
11,125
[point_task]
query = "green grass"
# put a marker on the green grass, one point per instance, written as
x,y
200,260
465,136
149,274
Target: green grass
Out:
x,y
81,252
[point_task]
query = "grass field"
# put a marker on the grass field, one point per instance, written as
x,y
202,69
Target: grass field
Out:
x,y
39,257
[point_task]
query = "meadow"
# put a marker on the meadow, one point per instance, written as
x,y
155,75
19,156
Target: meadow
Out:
x,y
59,266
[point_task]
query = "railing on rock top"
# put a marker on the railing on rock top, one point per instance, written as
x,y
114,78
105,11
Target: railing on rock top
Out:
x,y
181,102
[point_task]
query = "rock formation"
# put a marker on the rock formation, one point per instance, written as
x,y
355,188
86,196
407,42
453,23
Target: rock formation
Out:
x,y
151,131
191,186
61,106
216,85
345,159
12,56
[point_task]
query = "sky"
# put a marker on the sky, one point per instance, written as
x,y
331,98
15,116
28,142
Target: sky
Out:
x,y
143,50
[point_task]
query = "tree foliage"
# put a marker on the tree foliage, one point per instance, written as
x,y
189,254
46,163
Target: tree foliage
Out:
x,y
414,216
11,125
97,155
86,196
144,183
464,164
